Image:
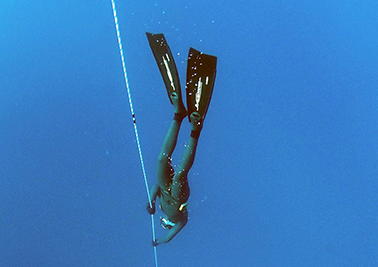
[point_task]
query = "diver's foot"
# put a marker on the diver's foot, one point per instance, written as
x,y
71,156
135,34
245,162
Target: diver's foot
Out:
x,y
196,121
179,108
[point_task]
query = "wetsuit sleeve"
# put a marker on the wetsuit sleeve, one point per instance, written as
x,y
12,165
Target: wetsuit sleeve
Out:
x,y
155,191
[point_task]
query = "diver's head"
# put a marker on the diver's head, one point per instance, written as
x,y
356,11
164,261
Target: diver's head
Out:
x,y
165,223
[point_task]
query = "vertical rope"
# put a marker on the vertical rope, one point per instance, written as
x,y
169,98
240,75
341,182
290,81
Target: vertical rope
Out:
x,y
134,120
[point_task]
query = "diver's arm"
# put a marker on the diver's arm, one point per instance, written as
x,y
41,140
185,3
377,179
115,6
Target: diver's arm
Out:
x,y
155,191
172,232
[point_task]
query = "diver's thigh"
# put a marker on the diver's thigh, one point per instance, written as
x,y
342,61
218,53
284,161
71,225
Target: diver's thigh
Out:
x,y
180,188
165,172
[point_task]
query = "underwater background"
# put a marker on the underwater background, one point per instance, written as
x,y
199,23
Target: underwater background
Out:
x,y
286,172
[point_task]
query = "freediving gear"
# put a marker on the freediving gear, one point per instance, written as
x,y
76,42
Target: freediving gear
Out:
x,y
166,64
183,206
200,79
166,224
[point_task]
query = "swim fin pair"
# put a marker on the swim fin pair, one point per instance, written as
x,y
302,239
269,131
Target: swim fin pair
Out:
x,y
200,77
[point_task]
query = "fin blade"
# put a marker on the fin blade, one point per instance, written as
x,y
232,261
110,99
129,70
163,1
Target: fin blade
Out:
x,y
200,79
165,62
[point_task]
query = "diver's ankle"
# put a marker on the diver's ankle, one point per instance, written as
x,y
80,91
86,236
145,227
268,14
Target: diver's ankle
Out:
x,y
179,116
178,106
195,134
196,121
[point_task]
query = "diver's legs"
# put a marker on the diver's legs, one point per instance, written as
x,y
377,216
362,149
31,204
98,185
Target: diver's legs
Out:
x,y
165,170
180,186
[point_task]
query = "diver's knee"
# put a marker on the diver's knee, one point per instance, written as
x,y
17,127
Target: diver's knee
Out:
x,y
181,175
164,158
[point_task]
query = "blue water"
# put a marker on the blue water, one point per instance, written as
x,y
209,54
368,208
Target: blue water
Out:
x,y
286,173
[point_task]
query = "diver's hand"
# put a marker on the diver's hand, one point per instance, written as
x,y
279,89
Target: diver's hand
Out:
x,y
155,243
151,210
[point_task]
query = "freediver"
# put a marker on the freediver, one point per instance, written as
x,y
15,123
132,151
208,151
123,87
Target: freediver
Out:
x,y
172,186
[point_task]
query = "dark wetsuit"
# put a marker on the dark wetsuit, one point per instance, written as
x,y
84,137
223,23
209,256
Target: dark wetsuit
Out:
x,y
173,208
172,187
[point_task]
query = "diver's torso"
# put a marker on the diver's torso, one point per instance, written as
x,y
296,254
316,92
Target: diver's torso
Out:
x,y
171,207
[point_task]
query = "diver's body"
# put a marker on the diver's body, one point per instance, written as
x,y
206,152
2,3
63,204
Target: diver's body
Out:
x,y
172,187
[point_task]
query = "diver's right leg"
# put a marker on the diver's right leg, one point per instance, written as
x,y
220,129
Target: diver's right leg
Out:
x,y
165,170
191,148
180,186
